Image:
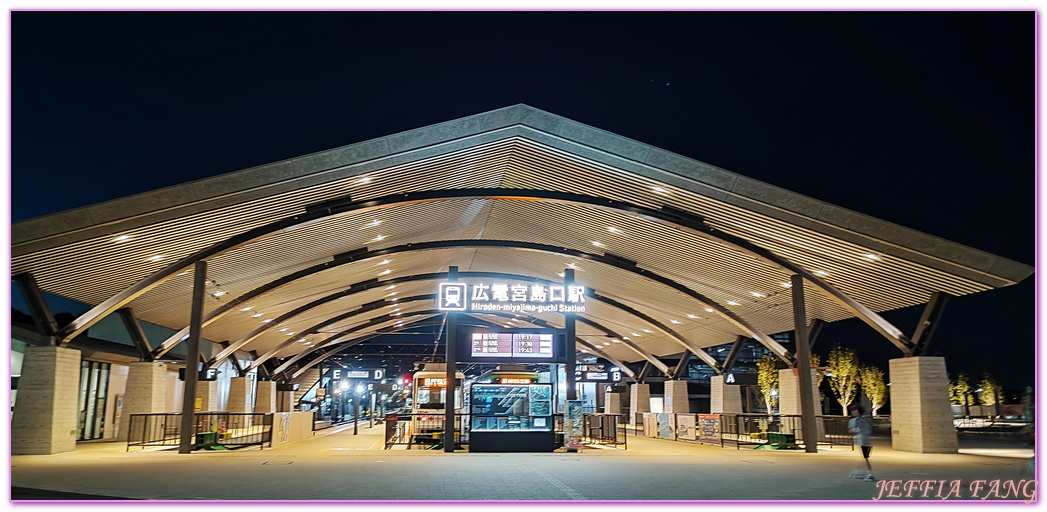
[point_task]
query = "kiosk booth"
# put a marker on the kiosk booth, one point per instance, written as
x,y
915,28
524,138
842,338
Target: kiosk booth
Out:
x,y
513,413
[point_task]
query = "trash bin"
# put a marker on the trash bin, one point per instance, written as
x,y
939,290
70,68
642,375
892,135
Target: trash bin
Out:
x,y
206,439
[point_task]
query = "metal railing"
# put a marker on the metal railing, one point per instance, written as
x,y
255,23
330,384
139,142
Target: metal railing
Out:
x,y
600,428
422,429
209,428
761,429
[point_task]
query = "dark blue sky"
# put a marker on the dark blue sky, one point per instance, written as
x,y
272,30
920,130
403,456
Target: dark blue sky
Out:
x,y
925,119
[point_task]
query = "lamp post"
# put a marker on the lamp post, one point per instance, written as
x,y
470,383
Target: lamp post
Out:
x,y
356,409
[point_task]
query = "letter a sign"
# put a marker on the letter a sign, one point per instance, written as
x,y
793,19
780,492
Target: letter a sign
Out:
x,y
729,379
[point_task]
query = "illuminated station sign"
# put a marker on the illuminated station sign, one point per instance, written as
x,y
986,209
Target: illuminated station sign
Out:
x,y
511,344
511,298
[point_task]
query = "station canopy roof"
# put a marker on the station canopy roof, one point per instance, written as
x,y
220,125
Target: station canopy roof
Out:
x,y
673,251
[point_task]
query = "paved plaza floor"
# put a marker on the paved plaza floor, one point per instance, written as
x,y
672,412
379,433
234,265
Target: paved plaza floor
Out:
x,y
336,465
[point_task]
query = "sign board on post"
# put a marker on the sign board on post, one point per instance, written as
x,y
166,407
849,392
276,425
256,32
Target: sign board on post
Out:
x,y
709,428
573,423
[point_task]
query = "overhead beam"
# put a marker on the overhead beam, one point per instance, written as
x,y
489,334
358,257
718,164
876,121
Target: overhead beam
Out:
x,y
667,216
732,355
932,313
34,299
814,330
134,329
681,367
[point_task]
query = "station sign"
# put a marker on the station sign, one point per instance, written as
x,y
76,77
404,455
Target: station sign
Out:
x,y
511,298
378,374
740,379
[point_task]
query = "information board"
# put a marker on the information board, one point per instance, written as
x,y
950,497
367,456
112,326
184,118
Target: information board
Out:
x,y
511,344
709,428
685,424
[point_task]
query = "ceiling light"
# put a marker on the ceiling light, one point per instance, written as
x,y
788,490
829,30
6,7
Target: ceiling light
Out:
x,y
155,258
302,340
256,315
561,274
219,293
689,315
385,272
248,308
398,314
872,257
282,330
647,330
394,299
660,190
267,320
710,310
614,230
572,265
598,244
390,287
290,333
732,303
507,325
606,343
636,334
362,181
616,340
395,310
383,262
821,272
787,284
121,238
758,295
585,351
625,337
675,321
378,238
373,223
183,274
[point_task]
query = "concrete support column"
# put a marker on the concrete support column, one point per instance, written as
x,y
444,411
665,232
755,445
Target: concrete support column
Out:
x,y
265,397
146,393
239,395
285,401
676,399
612,402
46,412
639,401
724,399
789,398
921,416
207,396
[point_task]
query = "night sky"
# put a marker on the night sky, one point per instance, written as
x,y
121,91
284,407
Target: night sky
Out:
x,y
924,119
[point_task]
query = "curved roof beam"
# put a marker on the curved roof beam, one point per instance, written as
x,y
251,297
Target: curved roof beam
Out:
x,y
667,215
384,302
364,253
320,357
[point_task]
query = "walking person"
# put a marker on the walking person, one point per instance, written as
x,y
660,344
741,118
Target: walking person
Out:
x,y
861,427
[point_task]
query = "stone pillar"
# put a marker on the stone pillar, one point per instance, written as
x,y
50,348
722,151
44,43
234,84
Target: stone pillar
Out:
x,y
46,412
676,399
207,395
146,393
921,417
639,401
285,401
789,401
239,395
265,401
612,402
724,399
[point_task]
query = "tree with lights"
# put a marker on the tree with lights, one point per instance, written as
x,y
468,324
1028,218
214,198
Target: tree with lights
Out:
x,y
959,388
874,386
988,389
767,379
843,369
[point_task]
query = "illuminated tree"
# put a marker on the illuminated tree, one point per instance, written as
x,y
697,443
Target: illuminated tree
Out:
x,y
767,379
987,389
874,386
959,388
816,363
843,376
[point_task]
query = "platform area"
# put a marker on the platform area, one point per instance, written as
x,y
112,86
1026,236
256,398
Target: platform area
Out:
x,y
335,465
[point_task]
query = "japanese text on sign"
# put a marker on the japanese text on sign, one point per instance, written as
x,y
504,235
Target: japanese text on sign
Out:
x,y
512,298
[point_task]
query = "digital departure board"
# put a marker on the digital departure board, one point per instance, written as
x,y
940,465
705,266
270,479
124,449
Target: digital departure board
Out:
x,y
512,344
